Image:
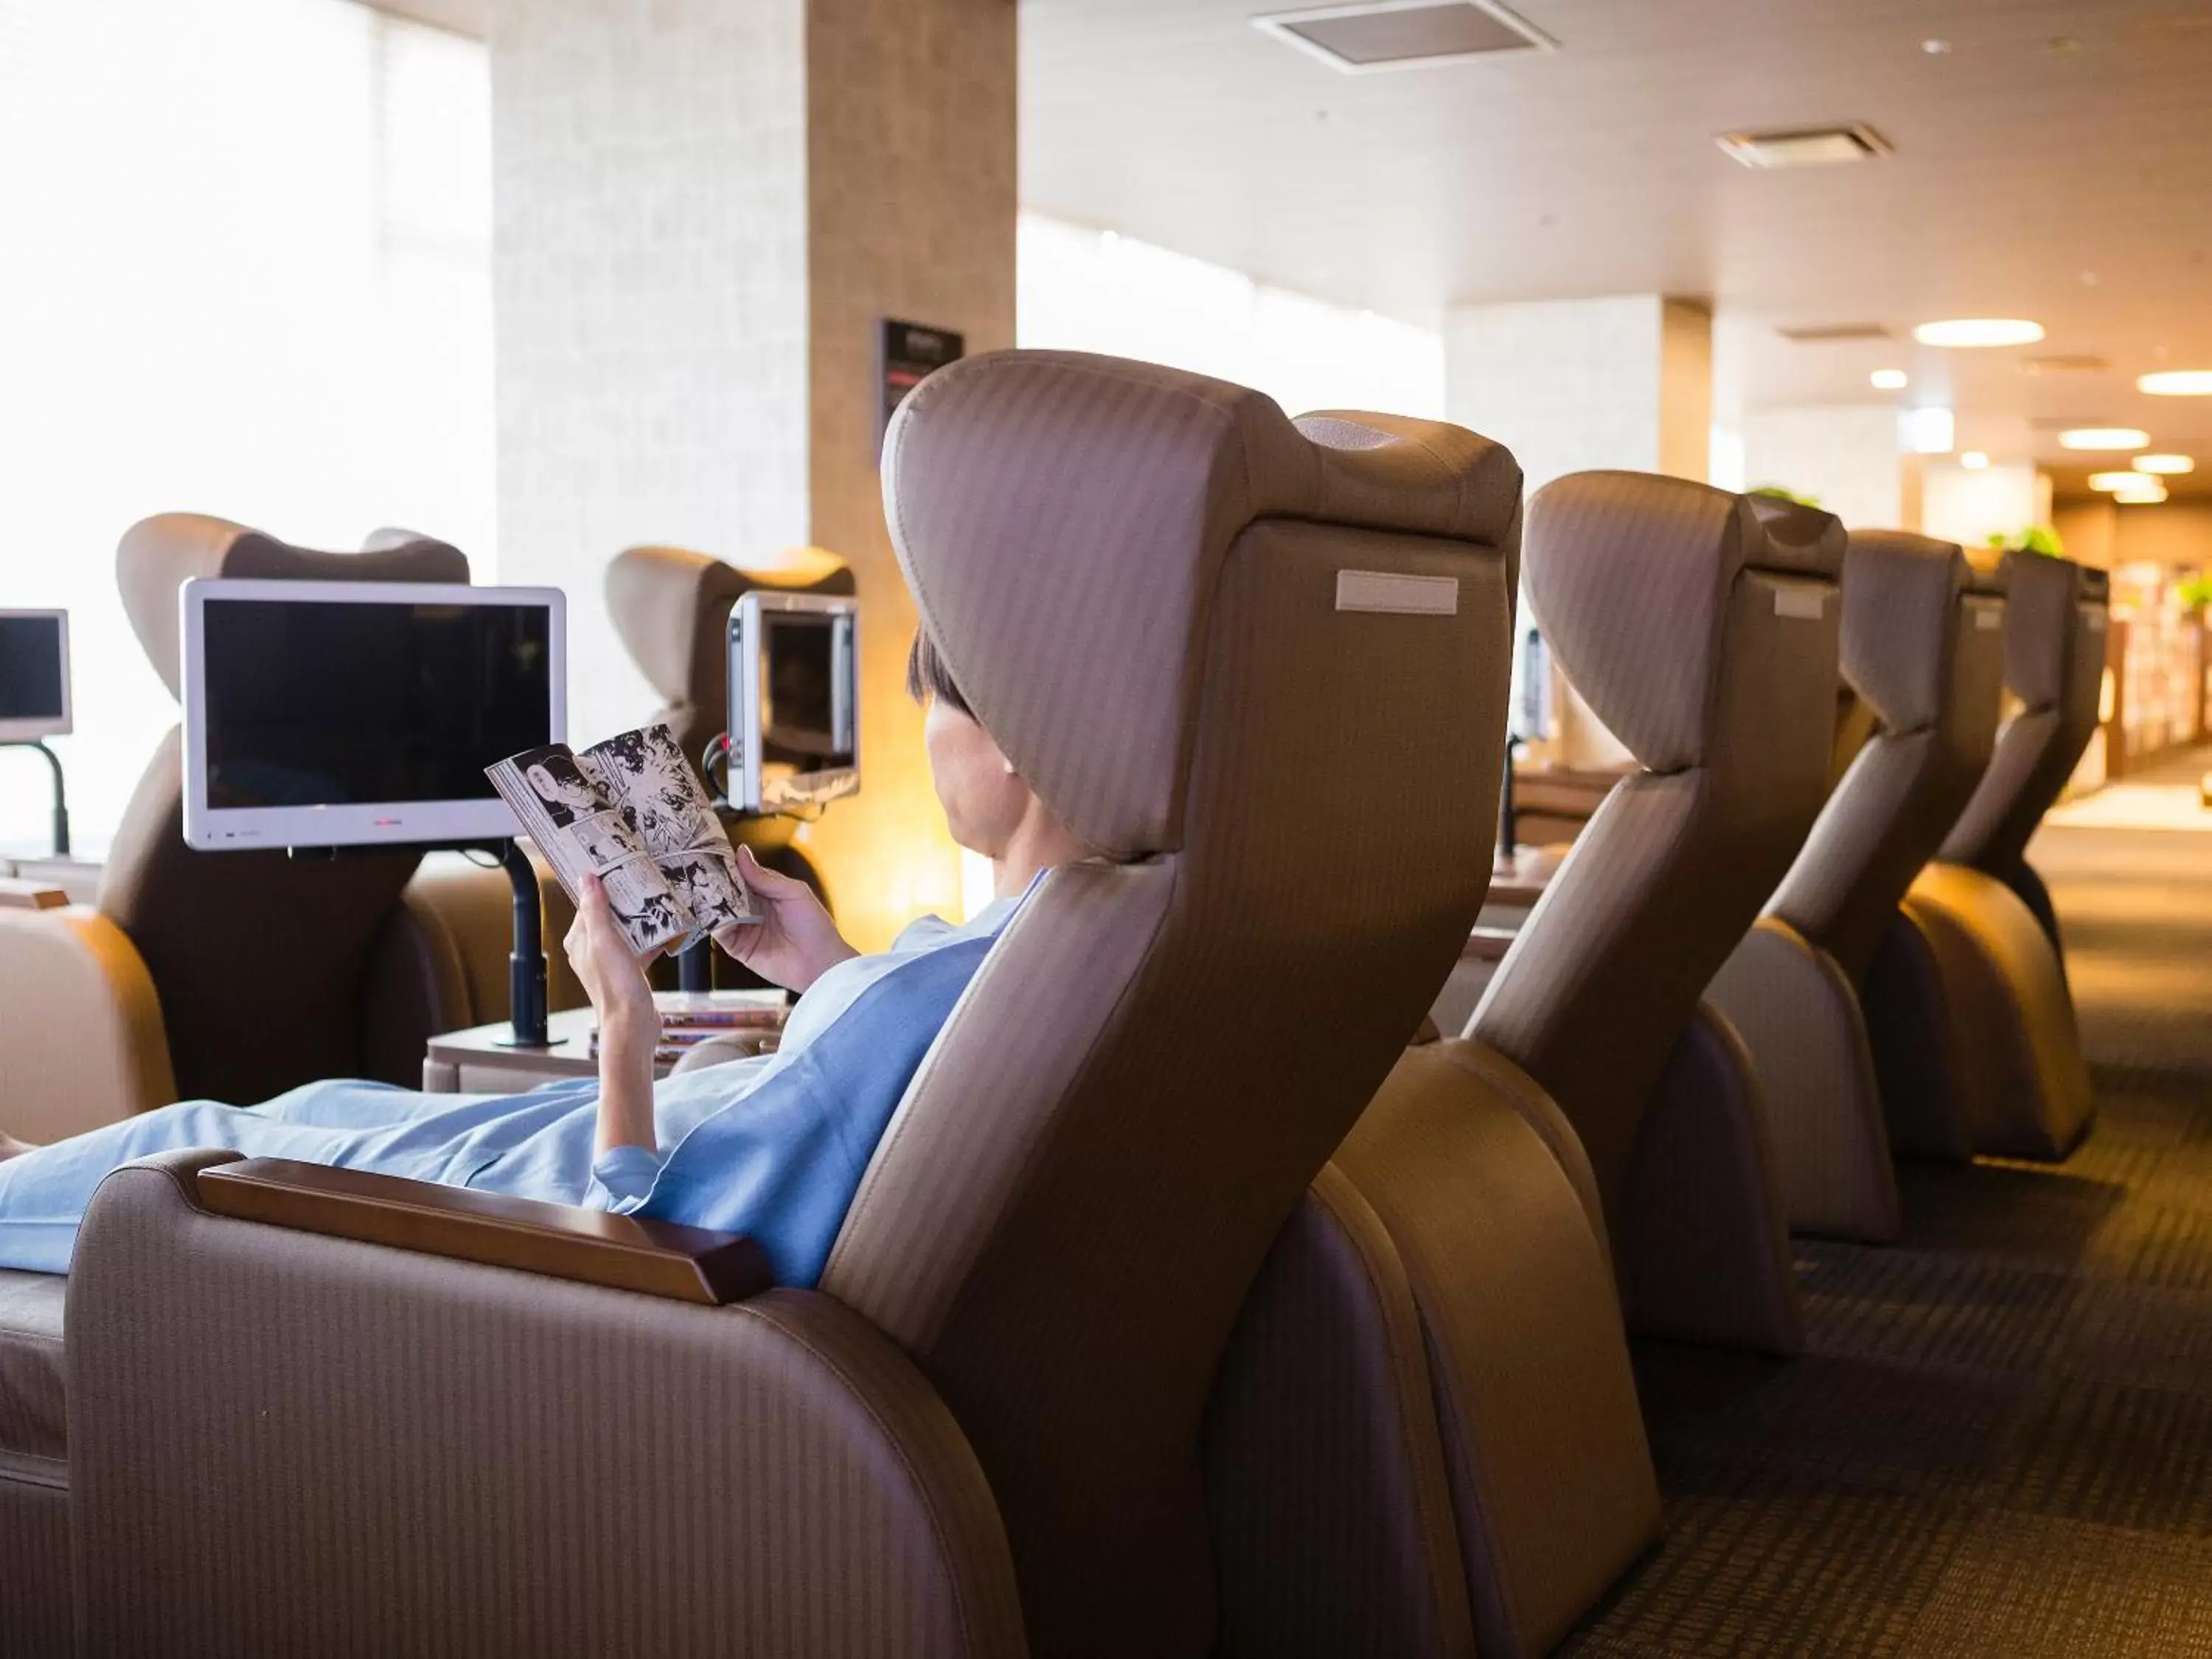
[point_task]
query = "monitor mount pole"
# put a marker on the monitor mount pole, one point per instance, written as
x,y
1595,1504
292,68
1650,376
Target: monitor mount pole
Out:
x,y
695,967
525,962
61,796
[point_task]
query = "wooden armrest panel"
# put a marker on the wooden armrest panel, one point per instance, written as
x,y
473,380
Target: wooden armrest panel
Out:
x,y
17,894
624,1253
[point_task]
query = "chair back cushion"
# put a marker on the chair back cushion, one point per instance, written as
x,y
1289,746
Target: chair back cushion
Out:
x,y
1263,671
671,607
1923,647
2050,608
1702,628
259,962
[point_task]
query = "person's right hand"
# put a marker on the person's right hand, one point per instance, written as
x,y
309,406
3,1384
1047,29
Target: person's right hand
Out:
x,y
794,943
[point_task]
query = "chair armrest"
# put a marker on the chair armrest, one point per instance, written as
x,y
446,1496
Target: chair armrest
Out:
x,y
560,1241
81,1040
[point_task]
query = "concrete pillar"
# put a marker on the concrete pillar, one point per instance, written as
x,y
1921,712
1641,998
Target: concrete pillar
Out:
x,y
1849,457
1968,507
701,210
1571,385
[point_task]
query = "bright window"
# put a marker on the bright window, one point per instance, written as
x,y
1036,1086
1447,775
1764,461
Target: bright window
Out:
x,y
1091,291
245,270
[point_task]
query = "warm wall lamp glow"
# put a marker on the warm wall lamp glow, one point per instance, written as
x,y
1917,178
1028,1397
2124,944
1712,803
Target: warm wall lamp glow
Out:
x,y
1979,332
2164,463
2104,437
1890,379
1974,460
2176,383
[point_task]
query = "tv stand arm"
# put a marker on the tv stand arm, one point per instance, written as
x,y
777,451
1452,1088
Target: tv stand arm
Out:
x,y
61,795
525,962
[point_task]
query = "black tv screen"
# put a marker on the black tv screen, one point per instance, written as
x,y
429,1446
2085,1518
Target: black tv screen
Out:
x,y
33,678
313,704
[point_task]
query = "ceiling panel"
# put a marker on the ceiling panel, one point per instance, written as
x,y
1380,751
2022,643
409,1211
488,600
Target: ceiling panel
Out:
x,y
2055,162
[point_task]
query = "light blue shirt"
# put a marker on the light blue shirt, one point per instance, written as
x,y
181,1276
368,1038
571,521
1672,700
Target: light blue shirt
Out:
x,y
774,1146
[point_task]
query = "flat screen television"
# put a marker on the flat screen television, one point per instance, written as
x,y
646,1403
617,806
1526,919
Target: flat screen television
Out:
x,y
361,714
795,701
35,677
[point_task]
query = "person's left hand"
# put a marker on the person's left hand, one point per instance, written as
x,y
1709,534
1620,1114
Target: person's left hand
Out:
x,y
613,976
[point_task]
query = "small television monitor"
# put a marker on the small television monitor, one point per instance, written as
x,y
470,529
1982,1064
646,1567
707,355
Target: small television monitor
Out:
x,y
35,677
361,714
795,701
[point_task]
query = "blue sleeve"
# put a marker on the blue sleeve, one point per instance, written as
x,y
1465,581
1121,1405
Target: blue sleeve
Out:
x,y
622,1176
783,1162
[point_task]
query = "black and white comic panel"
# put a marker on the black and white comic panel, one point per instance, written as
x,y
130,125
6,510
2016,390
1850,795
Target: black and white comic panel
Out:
x,y
648,774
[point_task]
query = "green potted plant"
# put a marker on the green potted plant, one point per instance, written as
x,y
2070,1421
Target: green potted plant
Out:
x,y
2036,539
1782,494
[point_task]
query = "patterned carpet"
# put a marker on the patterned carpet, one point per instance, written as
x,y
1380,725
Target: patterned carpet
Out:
x,y
2000,1443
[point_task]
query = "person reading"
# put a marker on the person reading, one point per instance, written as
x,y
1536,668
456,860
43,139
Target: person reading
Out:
x,y
773,1145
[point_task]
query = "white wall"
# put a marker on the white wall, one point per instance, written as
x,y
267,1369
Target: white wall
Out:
x,y
1969,507
1845,456
243,271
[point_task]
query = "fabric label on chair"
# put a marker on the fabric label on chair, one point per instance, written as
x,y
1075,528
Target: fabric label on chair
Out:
x,y
2095,620
1411,596
1987,617
1806,604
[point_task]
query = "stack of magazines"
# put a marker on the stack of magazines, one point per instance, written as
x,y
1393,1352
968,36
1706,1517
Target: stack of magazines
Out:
x,y
688,1018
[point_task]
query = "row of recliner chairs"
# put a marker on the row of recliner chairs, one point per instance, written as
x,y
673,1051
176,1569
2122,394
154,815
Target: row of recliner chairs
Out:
x,y
1187,1309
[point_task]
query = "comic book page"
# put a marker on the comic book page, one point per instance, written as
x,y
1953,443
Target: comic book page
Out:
x,y
582,830
646,773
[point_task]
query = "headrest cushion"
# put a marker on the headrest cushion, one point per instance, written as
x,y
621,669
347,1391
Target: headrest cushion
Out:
x,y
671,608
158,555
1901,617
1063,518
1629,574
2041,597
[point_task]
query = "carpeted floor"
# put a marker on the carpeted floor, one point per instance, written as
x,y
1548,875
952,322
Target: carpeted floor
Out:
x,y
2000,1442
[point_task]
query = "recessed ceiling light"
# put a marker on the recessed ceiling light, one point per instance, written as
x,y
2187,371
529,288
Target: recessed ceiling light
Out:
x,y
2140,497
1973,460
2164,463
2104,437
1979,332
1890,379
2176,383
2121,481
1804,147
1934,48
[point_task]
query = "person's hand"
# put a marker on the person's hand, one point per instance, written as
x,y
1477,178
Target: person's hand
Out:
x,y
613,976
794,943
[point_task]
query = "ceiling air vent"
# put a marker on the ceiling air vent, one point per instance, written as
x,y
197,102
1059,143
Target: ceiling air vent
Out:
x,y
1394,34
1831,333
2061,363
1805,147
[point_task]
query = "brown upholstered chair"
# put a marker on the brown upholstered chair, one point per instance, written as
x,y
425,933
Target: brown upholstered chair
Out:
x,y
1973,1028
671,607
1438,1333
236,976
1211,644
1923,651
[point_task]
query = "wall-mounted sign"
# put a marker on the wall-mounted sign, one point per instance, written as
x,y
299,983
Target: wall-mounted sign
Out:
x,y
907,354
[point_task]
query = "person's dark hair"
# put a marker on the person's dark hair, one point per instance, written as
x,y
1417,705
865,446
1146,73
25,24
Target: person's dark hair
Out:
x,y
927,676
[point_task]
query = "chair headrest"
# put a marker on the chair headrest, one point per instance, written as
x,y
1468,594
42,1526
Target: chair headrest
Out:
x,y
158,555
1901,614
2096,586
1629,574
2042,596
1062,519
671,608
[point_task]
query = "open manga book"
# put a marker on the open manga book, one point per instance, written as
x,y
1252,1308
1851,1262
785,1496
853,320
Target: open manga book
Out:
x,y
631,811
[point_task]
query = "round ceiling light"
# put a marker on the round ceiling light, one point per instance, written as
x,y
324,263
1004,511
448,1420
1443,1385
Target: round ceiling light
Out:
x,y
2141,496
2104,437
2164,463
2176,383
1979,332
1890,379
2117,481
1974,460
